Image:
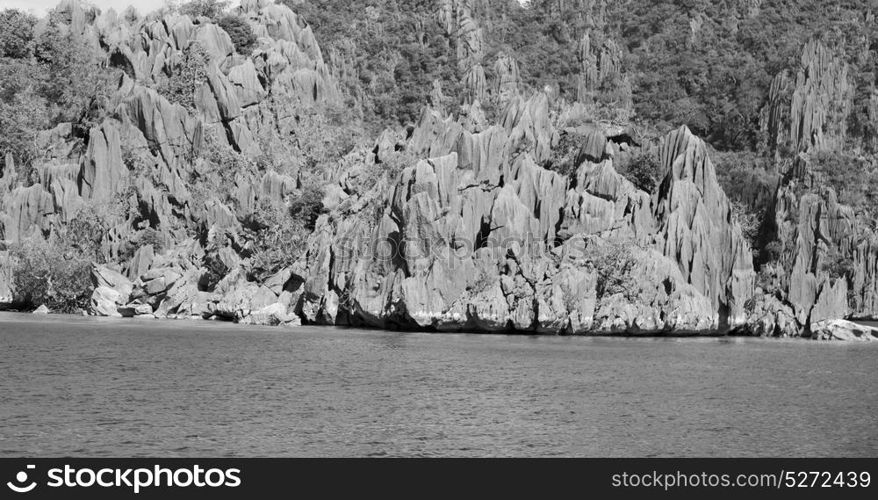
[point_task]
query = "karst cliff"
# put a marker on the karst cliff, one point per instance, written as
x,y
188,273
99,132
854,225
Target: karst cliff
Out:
x,y
477,231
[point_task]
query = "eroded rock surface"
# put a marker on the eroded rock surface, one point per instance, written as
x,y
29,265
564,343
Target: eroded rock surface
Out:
x,y
479,236
480,231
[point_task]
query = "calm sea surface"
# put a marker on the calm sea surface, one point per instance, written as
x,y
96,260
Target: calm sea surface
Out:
x,y
80,386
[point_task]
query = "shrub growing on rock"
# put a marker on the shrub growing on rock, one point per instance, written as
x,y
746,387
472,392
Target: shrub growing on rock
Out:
x,y
643,171
50,273
306,207
240,32
179,87
837,265
613,261
750,222
854,179
279,238
75,73
771,278
84,234
564,155
321,142
55,271
22,115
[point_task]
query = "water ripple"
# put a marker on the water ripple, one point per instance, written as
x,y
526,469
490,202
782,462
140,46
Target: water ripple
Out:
x,y
79,386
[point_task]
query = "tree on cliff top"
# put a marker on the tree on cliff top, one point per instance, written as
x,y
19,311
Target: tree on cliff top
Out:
x,y
385,54
48,75
204,8
240,32
16,33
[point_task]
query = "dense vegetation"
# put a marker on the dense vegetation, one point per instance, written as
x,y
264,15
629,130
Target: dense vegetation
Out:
x,y
386,54
48,75
55,271
702,63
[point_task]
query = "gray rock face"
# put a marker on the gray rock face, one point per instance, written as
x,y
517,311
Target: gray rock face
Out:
x,y
103,276
147,142
477,234
803,224
232,101
770,317
826,251
112,290
843,330
696,227
105,301
480,237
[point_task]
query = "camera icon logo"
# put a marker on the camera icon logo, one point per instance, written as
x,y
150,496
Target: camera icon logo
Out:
x,y
20,479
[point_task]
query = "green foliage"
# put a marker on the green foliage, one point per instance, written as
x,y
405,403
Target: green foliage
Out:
x,y
179,87
483,282
697,62
216,170
837,265
614,262
644,171
16,34
58,78
749,221
386,54
240,32
203,8
750,182
137,240
390,167
56,271
709,64
321,138
771,278
306,207
150,236
374,178
47,272
85,232
130,15
543,37
746,178
854,179
565,155
75,76
280,234
22,115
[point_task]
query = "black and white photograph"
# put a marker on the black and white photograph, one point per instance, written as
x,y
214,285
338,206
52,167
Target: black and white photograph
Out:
x,y
595,229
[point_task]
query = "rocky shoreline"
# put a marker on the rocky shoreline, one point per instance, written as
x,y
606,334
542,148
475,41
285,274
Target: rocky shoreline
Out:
x,y
830,331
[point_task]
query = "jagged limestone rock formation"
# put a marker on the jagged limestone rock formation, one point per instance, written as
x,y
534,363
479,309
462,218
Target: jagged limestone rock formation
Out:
x,y
696,223
152,145
480,233
810,112
507,79
469,43
813,233
468,239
